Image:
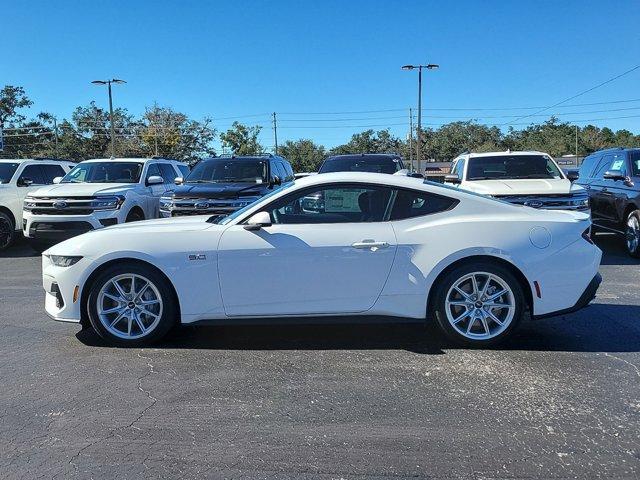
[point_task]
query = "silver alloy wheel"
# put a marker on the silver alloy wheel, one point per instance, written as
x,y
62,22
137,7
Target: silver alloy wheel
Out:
x,y
633,233
480,305
129,306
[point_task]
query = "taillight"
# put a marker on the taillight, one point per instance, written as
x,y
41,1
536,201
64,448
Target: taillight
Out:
x,y
587,236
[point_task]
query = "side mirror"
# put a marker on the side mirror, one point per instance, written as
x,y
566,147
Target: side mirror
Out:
x,y
415,175
452,179
178,180
572,175
614,175
24,182
257,221
276,180
57,180
155,180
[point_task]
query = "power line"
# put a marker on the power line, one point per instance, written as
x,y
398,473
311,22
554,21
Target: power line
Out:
x,y
578,94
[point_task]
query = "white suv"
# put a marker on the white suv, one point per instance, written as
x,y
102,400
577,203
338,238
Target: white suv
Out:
x,y
18,178
98,193
526,178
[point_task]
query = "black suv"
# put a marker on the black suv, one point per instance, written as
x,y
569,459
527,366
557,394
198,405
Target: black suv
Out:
x,y
363,162
222,185
612,178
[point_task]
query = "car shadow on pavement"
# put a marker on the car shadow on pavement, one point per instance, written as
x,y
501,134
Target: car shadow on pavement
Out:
x,y
599,328
19,248
614,251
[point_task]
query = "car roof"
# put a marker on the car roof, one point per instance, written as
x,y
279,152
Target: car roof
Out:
x,y
504,154
365,155
141,160
22,160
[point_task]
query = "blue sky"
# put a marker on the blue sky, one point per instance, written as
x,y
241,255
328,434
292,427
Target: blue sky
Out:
x,y
244,59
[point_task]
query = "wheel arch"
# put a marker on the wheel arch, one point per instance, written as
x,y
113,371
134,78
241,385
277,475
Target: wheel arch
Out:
x,y
517,273
136,208
630,208
10,214
88,283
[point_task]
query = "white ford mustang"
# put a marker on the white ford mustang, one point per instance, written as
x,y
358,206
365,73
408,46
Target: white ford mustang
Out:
x,y
338,244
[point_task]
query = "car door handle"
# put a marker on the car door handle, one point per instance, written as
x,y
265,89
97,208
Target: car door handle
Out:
x,y
373,245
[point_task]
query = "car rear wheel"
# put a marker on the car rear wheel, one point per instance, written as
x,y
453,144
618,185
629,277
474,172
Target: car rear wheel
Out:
x,y
633,234
7,231
479,304
131,305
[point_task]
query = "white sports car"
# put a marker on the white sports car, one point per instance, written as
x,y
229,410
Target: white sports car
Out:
x,y
338,244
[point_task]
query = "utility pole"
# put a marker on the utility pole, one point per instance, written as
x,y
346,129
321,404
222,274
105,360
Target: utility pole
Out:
x,y
577,146
275,132
411,139
113,133
55,133
430,66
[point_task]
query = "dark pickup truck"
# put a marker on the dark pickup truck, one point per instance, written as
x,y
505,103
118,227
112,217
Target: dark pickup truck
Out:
x,y
219,186
612,178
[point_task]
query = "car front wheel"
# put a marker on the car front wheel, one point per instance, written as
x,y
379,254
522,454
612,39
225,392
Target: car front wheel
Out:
x,y
131,305
633,234
479,304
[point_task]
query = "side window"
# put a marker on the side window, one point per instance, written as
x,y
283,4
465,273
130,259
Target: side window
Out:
x,y
587,167
332,204
603,166
152,170
459,168
634,157
33,173
289,170
618,164
410,203
184,170
280,171
51,172
168,174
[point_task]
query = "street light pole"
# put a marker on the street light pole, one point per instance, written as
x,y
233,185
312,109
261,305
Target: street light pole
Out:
x,y
112,129
429,66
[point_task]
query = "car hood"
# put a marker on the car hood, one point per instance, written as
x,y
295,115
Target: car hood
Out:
x,y
135,236
536,186
219,190
82,189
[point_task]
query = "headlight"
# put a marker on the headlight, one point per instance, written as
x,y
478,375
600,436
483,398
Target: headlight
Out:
x,y
244,202
107,203
166,203
64,261
29,203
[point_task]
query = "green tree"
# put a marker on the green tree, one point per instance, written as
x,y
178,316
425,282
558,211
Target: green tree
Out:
x,y
12,99
242,139
370,141
304,155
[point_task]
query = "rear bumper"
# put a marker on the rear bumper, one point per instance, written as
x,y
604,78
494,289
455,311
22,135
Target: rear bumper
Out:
x,y
584,300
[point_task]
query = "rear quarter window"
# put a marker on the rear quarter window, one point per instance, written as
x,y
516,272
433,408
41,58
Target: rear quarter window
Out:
x,y
411,204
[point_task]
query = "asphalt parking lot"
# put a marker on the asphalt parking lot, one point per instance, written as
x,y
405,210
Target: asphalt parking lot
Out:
x,y
561,400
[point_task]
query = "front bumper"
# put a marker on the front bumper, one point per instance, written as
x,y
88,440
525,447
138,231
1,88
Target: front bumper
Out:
x,y
59,284
584,300
56,228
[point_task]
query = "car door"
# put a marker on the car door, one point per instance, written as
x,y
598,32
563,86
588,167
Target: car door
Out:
x,y
598,190
153,192
33,173
328,251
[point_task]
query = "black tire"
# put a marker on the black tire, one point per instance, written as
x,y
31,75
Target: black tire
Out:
x,y
632,233
167,319
134,215
497,333
7,231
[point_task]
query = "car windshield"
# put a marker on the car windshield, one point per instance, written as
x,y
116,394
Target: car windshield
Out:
x,y
104,172
223,220
7,170
361,164
512,167
228,170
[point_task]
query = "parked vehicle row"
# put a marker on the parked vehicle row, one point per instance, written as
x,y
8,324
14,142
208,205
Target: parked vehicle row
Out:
x,y
96,194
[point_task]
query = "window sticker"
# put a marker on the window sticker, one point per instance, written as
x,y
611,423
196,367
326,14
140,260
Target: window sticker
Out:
x,y
342,200
617,164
